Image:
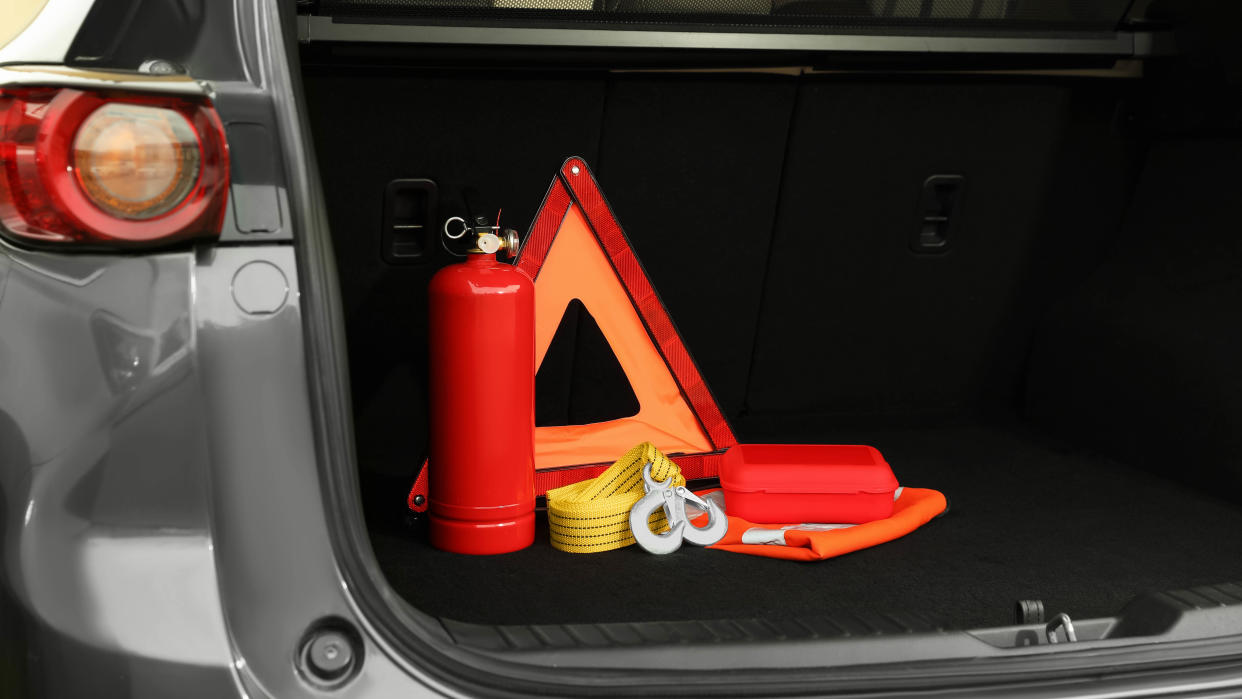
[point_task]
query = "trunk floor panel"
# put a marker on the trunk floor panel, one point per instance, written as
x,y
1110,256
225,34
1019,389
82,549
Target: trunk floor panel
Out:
x,y
1028,519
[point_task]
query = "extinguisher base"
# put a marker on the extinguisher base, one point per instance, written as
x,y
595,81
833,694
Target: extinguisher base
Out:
x,y
483,538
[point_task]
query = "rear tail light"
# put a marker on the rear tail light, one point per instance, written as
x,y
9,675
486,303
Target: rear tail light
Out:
x,y
108,169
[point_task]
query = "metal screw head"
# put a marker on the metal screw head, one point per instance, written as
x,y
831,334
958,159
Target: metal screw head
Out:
x,y
330,655
419,500
574,169
159,66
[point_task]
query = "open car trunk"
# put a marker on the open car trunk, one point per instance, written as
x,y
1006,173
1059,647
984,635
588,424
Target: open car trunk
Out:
x,y
1060,359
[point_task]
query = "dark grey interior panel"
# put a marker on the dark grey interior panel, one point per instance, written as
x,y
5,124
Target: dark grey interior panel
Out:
x,y
855,321
1141,361
692,168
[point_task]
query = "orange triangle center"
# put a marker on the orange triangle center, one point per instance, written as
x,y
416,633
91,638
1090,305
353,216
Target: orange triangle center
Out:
x,y
577,268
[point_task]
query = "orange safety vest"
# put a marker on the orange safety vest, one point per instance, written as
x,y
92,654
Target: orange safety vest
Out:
x,y
816,542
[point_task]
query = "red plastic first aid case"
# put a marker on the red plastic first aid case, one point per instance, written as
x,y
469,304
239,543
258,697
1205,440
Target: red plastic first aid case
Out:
x,y
804,483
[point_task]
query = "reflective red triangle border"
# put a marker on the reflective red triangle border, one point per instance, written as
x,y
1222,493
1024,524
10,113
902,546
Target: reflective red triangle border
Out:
x,y
576,184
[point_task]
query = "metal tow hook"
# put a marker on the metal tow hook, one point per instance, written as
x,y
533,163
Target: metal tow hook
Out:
x,y
673,500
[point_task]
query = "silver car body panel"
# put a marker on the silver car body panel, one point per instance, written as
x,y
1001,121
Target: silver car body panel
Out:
x,y
160,482
105,467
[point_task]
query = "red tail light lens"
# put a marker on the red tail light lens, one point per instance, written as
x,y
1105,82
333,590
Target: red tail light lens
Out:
x,y
110,169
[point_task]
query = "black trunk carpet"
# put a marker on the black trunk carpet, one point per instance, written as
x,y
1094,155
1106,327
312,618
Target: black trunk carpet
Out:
x,y
1028,519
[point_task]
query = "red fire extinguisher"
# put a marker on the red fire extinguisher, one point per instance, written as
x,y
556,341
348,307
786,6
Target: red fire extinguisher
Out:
x,y
482,399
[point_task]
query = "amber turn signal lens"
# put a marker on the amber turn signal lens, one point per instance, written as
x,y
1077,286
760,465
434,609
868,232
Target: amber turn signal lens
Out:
x,y
134,161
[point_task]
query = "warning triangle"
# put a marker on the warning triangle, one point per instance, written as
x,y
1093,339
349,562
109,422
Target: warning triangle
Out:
x,y
576,250
576,268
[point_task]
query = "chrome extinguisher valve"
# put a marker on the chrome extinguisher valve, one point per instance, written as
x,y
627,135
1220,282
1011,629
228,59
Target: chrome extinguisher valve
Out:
x,y
512,243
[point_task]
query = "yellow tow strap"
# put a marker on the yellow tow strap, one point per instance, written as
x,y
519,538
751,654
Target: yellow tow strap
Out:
x,y
594,515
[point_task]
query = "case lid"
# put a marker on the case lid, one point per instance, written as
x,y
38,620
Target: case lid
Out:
x,y
806,468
